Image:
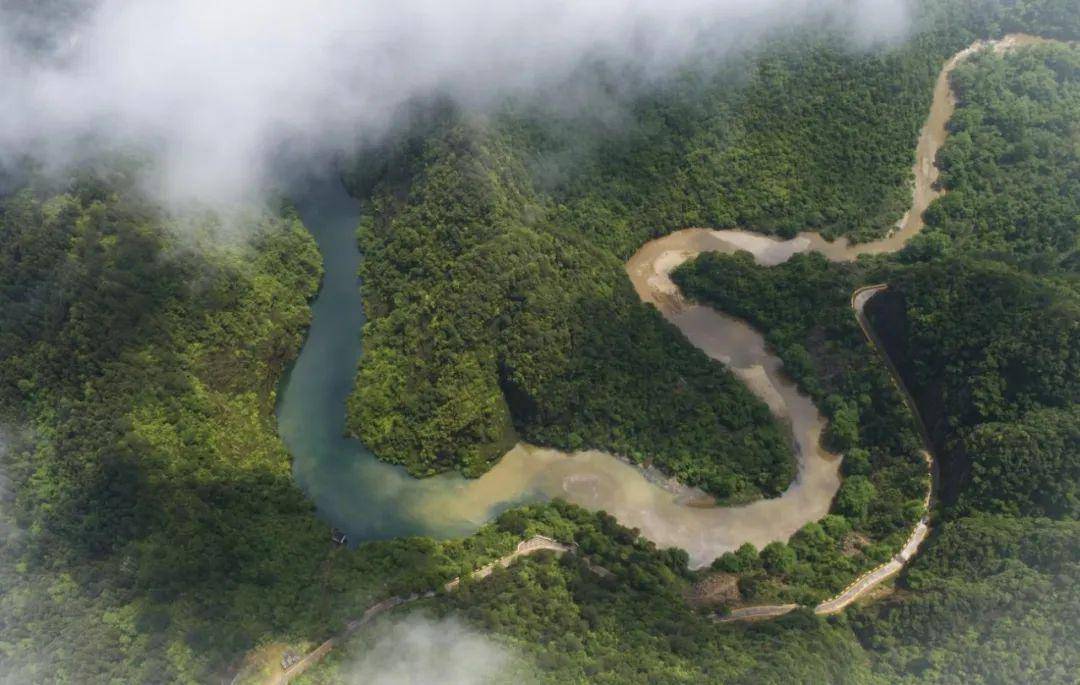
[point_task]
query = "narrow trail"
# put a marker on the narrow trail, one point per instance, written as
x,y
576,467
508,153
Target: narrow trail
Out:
x,y
537,543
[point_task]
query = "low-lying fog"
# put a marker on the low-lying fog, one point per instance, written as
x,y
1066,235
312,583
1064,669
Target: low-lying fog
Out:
x,y
217,89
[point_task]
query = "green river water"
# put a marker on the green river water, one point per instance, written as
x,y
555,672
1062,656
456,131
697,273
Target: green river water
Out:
x,y
352,490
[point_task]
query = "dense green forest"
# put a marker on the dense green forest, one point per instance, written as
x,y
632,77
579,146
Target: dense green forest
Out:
x,y
739,147
1012,164
983,318
493,243
992,601
150,529
987,341
487,321
992,598
632,626
491,277
992,355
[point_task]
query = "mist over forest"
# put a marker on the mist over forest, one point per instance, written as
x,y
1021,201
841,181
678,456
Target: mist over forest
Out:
x,y
217,94
617,341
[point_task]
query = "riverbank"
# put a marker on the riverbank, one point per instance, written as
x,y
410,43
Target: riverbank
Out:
x,y
333,470
733,343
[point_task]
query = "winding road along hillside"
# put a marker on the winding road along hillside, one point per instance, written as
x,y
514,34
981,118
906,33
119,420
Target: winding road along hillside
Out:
x,y
650,270
875,576
537,543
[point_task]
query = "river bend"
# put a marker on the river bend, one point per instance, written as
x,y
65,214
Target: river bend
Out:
x,y
369,499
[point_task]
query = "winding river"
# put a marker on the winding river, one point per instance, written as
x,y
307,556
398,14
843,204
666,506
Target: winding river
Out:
x,y
372,500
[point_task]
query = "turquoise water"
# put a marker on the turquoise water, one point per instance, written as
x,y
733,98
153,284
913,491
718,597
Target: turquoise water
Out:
x,y
352,490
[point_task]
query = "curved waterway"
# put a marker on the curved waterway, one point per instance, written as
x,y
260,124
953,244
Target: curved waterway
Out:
x,y
371,500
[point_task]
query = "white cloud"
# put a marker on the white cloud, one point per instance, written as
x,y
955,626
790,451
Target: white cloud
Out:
x,y
419,651
217,87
